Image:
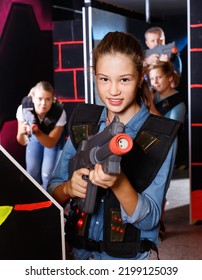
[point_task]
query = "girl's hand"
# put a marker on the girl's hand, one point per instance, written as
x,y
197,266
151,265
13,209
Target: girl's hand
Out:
x,y
78,185
164,57
35,128
152,58
24,129
101,179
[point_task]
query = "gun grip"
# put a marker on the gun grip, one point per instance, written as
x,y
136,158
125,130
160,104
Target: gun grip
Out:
x,y
87,205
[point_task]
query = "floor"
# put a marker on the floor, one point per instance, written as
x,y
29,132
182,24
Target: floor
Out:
x,y
179,192
182,240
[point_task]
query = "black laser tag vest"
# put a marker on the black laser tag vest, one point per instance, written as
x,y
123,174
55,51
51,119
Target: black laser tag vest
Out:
x,y
50,119
140,165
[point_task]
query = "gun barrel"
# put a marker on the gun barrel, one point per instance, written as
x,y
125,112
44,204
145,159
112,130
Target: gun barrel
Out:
x,y
119,145
169,49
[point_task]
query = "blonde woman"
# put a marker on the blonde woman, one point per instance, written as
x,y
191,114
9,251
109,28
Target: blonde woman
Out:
x,y
41,122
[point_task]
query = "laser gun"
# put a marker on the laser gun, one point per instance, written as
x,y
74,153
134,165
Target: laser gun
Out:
x,y
30,119
169,49
105,148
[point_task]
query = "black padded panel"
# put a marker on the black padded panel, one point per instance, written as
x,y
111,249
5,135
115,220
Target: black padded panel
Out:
x,y
36,234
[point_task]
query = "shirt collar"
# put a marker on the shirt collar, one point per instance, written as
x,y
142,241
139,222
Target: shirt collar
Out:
x,y
138,119
134,123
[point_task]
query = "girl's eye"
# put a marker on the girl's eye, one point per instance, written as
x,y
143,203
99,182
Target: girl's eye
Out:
x,y
104,79
125,80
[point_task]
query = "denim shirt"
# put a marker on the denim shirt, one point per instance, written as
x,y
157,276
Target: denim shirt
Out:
x,y
147,213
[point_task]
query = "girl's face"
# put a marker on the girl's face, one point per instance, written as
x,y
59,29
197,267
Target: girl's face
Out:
x,y
159,80
42,101
117,83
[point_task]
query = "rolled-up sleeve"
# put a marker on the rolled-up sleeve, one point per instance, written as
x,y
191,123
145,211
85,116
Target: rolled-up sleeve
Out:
x,y
61,174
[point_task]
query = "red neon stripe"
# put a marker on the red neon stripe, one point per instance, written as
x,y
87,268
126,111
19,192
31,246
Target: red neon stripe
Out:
x,y
71,100
196,50
196,86
32,206
196,163
196,124
196,25
68,69
75,85
68,43
60,56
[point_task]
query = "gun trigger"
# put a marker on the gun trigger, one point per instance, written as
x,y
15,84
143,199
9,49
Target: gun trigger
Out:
x,y
85,177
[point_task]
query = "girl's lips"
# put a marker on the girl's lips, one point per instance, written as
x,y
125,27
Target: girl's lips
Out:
x,y
115,102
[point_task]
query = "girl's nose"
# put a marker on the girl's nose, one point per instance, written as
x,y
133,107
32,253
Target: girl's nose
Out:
x,y
114,89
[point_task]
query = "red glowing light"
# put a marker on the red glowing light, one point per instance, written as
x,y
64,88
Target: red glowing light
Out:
x,y
80,223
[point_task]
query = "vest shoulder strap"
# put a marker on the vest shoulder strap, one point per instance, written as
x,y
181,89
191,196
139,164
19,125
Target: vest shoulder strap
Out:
x,y
168,103
84,122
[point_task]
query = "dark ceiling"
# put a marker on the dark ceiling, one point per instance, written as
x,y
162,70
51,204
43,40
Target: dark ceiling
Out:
x,y
161,9
155,10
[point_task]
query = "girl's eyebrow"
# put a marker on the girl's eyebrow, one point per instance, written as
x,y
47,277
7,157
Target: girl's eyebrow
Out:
x,y
119,76
101,74
126,75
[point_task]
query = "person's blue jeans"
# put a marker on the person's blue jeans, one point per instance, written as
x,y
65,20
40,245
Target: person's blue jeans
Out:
x,y
40,161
